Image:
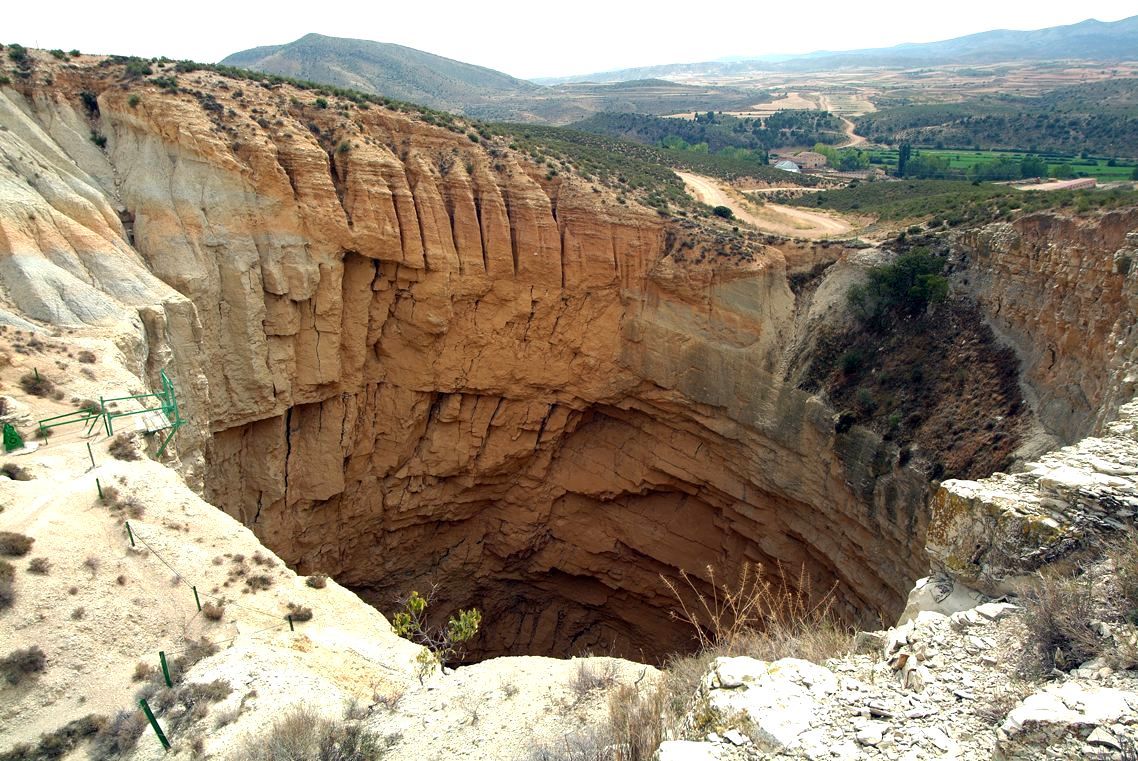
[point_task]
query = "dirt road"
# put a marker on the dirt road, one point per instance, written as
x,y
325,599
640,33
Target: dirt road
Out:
x,y
770,217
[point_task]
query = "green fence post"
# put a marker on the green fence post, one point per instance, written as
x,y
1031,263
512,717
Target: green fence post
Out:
x,y
291,628
129,533
99,486
165,668
154,723
91,454
196,599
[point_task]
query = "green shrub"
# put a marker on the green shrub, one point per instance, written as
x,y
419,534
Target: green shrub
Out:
x,y
444,644
133,101
57,53
724,212
99,140
321,103
138,68
906,287
17,53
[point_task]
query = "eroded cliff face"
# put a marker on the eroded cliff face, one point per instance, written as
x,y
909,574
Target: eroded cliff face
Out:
x,y
411,359
1056,288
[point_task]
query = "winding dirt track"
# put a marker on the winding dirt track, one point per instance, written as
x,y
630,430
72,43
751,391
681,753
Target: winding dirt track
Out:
x,y
771,217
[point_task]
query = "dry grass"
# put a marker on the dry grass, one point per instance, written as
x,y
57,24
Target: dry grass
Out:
x,y
1061,608
304,734
124,448
86,357
7,584
317,581
39,566
20,664
15,545
15,472
213,611
299,612
762,617
591,675
37,385
121,504
57,744
632,730
116,739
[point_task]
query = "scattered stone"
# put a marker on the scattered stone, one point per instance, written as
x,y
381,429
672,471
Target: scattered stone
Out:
x,y
1103,737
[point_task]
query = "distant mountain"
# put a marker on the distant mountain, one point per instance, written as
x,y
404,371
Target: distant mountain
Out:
x,y
412,75
1086,40
385,69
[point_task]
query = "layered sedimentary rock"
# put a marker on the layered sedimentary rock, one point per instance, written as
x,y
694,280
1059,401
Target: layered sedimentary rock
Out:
x,y
411,356
1060,290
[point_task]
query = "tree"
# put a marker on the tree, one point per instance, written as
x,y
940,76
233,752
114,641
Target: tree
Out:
x,y
444,644
723,211
903,158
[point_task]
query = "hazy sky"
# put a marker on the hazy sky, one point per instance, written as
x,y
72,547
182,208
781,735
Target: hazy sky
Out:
x,y
532,38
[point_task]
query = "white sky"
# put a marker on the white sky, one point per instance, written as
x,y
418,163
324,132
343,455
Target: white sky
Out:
x,y
532,38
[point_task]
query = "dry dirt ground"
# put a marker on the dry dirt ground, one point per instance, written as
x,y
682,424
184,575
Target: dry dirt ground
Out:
x,y
773,218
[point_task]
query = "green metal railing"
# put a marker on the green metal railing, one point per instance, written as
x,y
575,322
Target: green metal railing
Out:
x,y
166,398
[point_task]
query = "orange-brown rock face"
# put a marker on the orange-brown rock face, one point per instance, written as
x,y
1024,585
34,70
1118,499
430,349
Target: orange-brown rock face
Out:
x,y
1055,287
428,362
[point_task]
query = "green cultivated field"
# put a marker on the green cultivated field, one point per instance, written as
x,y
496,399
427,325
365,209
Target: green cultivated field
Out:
x,y
963,161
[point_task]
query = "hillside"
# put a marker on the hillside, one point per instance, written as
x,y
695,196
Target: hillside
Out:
x,y
1088,40
384,69
1099,117
403,73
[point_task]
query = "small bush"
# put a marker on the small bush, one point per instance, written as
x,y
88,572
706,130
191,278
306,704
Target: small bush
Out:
x,y
118,736
15,472
213,611
40,566
78,614
592,675
723,212
15,545
7,585
299,612
19,664
123,448
259,582
143,672
132,101
317,581
36,385
86,357
98,139
57,53
57,744
305,734
321,103
1058,613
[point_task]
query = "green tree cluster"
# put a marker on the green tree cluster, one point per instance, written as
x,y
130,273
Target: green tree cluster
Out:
x,y
904,288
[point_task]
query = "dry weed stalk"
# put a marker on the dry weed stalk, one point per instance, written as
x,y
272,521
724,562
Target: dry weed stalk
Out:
x,y
765,617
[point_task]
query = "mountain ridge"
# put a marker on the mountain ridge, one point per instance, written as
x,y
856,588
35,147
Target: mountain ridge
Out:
x,y
1088,39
